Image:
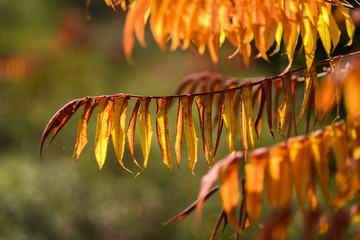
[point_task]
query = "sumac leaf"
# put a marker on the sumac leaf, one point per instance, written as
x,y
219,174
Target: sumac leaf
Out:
x,y
146,130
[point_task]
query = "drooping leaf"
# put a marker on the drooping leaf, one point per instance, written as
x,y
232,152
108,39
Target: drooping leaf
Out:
x,y
130,134
118,132
254,180
321,149
208,99
282,112
190,133
229,190
82,139
200,105
350,27
146,130
258,120
249,115
103,129
210,177
301,170
179,131
279,179
162,130
266,85
287,83
339,144
244,129
59,120
307,91
228,117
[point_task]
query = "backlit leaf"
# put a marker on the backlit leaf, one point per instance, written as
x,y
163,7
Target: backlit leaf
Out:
x,y
146,130
258,120
59,120
190,133
200,105
307,91
179,131
82,139
131,130
162,130
103,129
118,132
247,103
300,159
228,117
279,180
266,85
287,84
254,182
321,149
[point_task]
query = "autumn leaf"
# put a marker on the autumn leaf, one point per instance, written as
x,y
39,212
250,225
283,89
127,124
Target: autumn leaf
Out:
x,y
82,139
118,132
57,122
254,180
228,117
190,133
162,130
249,115
104,125
146,131
131,130
179,131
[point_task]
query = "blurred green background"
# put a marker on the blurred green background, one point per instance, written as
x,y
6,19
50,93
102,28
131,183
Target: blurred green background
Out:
x,y
51,54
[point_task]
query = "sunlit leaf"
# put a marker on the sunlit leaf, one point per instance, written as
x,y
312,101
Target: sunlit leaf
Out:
x,y
228,117
146,131
82,139
118,132
279,180
131,130
104,125
162,130
249,115
59,120
254,180
179,131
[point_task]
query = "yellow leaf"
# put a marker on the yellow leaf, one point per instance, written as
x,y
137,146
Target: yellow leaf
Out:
x,y
179,131
131,130
146,130
229,190
324,32
200,105
82,139
279,179
249,115
228,117
190,133
103,128
208,123
307,91
321,149
350,27
309,35
282,112
339,144
118,132
254,182
301,170
162,130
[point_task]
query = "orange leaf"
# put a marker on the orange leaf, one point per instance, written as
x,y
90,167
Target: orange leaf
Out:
x,y
131,130
179,131
82,139
254,182
228,117
190,133
146,131
279,180
162,130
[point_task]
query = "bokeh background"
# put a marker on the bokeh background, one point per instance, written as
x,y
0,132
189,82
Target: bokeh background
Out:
x,y
50,54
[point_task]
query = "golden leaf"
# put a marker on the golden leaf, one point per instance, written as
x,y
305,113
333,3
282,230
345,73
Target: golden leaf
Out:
x,y
228,117
249,115
118,132
146,130
254,181
162,130
131,130
82,139
179,131
190,133
103,129
279,180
